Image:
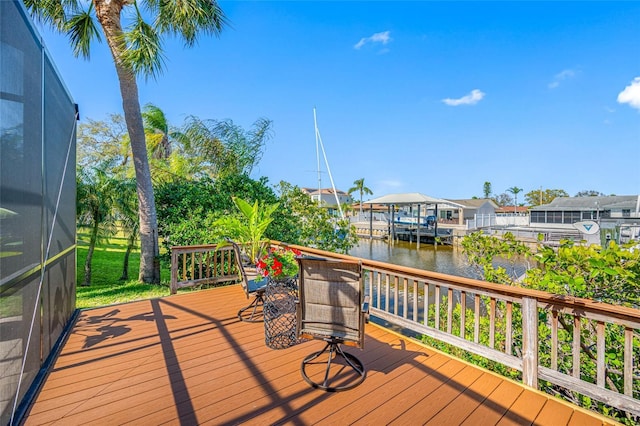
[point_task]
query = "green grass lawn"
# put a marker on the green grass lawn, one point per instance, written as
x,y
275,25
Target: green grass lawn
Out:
x,y
106,287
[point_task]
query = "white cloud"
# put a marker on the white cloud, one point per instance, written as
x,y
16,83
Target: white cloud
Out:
x,y
391,183
383,37
471,99
631,94
562,75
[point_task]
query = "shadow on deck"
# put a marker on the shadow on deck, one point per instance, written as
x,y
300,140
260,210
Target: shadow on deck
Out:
x,y
186,359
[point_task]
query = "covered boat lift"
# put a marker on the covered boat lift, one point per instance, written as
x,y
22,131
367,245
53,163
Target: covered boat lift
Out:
x,y
408,199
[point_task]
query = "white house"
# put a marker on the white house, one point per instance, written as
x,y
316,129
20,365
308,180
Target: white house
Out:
x,y
467,209
328,197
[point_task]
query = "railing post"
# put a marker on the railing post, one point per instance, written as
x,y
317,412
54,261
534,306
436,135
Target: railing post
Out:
x,y
174,271
530,341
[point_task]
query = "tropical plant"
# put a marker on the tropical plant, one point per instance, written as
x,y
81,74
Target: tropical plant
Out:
x,y
102,142
223,148
359,186
486,189
250,226
609,275
515,191
503,199
541,196
589,193
483,250
157,130
126,205
136,49
313,227
95,205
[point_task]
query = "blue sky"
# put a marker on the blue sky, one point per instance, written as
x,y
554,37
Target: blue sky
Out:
x,y
431,97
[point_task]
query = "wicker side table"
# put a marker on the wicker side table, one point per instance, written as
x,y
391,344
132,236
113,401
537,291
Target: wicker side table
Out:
x,y
280,313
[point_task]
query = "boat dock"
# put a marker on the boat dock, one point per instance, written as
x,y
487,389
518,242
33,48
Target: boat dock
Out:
x,y
404,232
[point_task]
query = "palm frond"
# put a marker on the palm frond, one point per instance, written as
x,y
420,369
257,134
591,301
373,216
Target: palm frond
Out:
x,y
50,12
143,53
155,119
81,29
187,18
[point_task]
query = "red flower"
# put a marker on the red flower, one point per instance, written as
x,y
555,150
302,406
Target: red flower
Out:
x,y
279,261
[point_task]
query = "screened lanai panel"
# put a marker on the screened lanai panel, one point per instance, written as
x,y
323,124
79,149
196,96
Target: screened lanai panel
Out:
x,y
21,204
18,344
20,145
59,162
32,316
58,293
58,299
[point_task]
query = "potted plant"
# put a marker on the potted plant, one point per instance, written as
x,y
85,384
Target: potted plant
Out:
x,y
279,263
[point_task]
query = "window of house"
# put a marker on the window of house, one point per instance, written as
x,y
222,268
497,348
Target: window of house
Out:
x,y
554,217
571,217
538,217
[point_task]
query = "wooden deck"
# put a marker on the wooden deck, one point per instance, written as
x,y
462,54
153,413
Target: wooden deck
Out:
x,y
186,359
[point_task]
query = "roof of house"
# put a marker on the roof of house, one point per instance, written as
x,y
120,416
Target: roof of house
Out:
x,y
510,209
312,191
591,203
474,203
410,198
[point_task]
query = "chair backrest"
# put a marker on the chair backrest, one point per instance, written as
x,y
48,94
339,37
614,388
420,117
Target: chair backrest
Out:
x,y
331,296
247,272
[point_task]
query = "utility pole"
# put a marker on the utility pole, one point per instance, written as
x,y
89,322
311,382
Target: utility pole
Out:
x,y
541,195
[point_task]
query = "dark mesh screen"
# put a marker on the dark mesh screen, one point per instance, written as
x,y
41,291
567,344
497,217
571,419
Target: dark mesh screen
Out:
x,y
59,131
31,171
21,143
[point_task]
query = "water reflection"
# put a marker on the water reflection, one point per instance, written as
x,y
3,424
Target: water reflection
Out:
x,y
443,259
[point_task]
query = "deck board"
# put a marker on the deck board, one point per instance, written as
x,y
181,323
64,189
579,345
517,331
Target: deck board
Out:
x,y
187,359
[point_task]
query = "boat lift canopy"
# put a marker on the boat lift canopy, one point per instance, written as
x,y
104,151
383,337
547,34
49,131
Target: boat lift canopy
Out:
x,y
408,199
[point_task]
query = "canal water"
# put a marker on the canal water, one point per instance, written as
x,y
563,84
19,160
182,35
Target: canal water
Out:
x,y
442,258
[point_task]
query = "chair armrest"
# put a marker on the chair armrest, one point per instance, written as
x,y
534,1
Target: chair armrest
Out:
x,y
365,309
365,304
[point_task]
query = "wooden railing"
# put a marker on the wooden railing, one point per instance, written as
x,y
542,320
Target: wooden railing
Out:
x,y
544,336
206,264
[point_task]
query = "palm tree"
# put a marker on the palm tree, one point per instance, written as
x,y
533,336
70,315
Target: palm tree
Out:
x,y
136,50
165,150
358,186
486,189
126,205
95,193
515,191
157,131
224,148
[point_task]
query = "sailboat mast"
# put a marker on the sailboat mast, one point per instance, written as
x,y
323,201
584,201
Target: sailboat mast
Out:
x,y
326,162
315,124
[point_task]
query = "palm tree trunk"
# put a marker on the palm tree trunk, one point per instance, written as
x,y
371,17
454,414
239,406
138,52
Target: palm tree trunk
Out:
x,y
149,250
108,13
125,265
87,262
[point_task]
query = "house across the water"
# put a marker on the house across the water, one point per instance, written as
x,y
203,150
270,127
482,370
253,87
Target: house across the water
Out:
x,y
617,216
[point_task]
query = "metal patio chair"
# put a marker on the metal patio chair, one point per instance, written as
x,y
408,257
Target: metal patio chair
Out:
x,y
332,307
252,283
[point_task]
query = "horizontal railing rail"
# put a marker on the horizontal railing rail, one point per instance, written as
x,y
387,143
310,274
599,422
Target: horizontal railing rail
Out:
x,y
555,338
